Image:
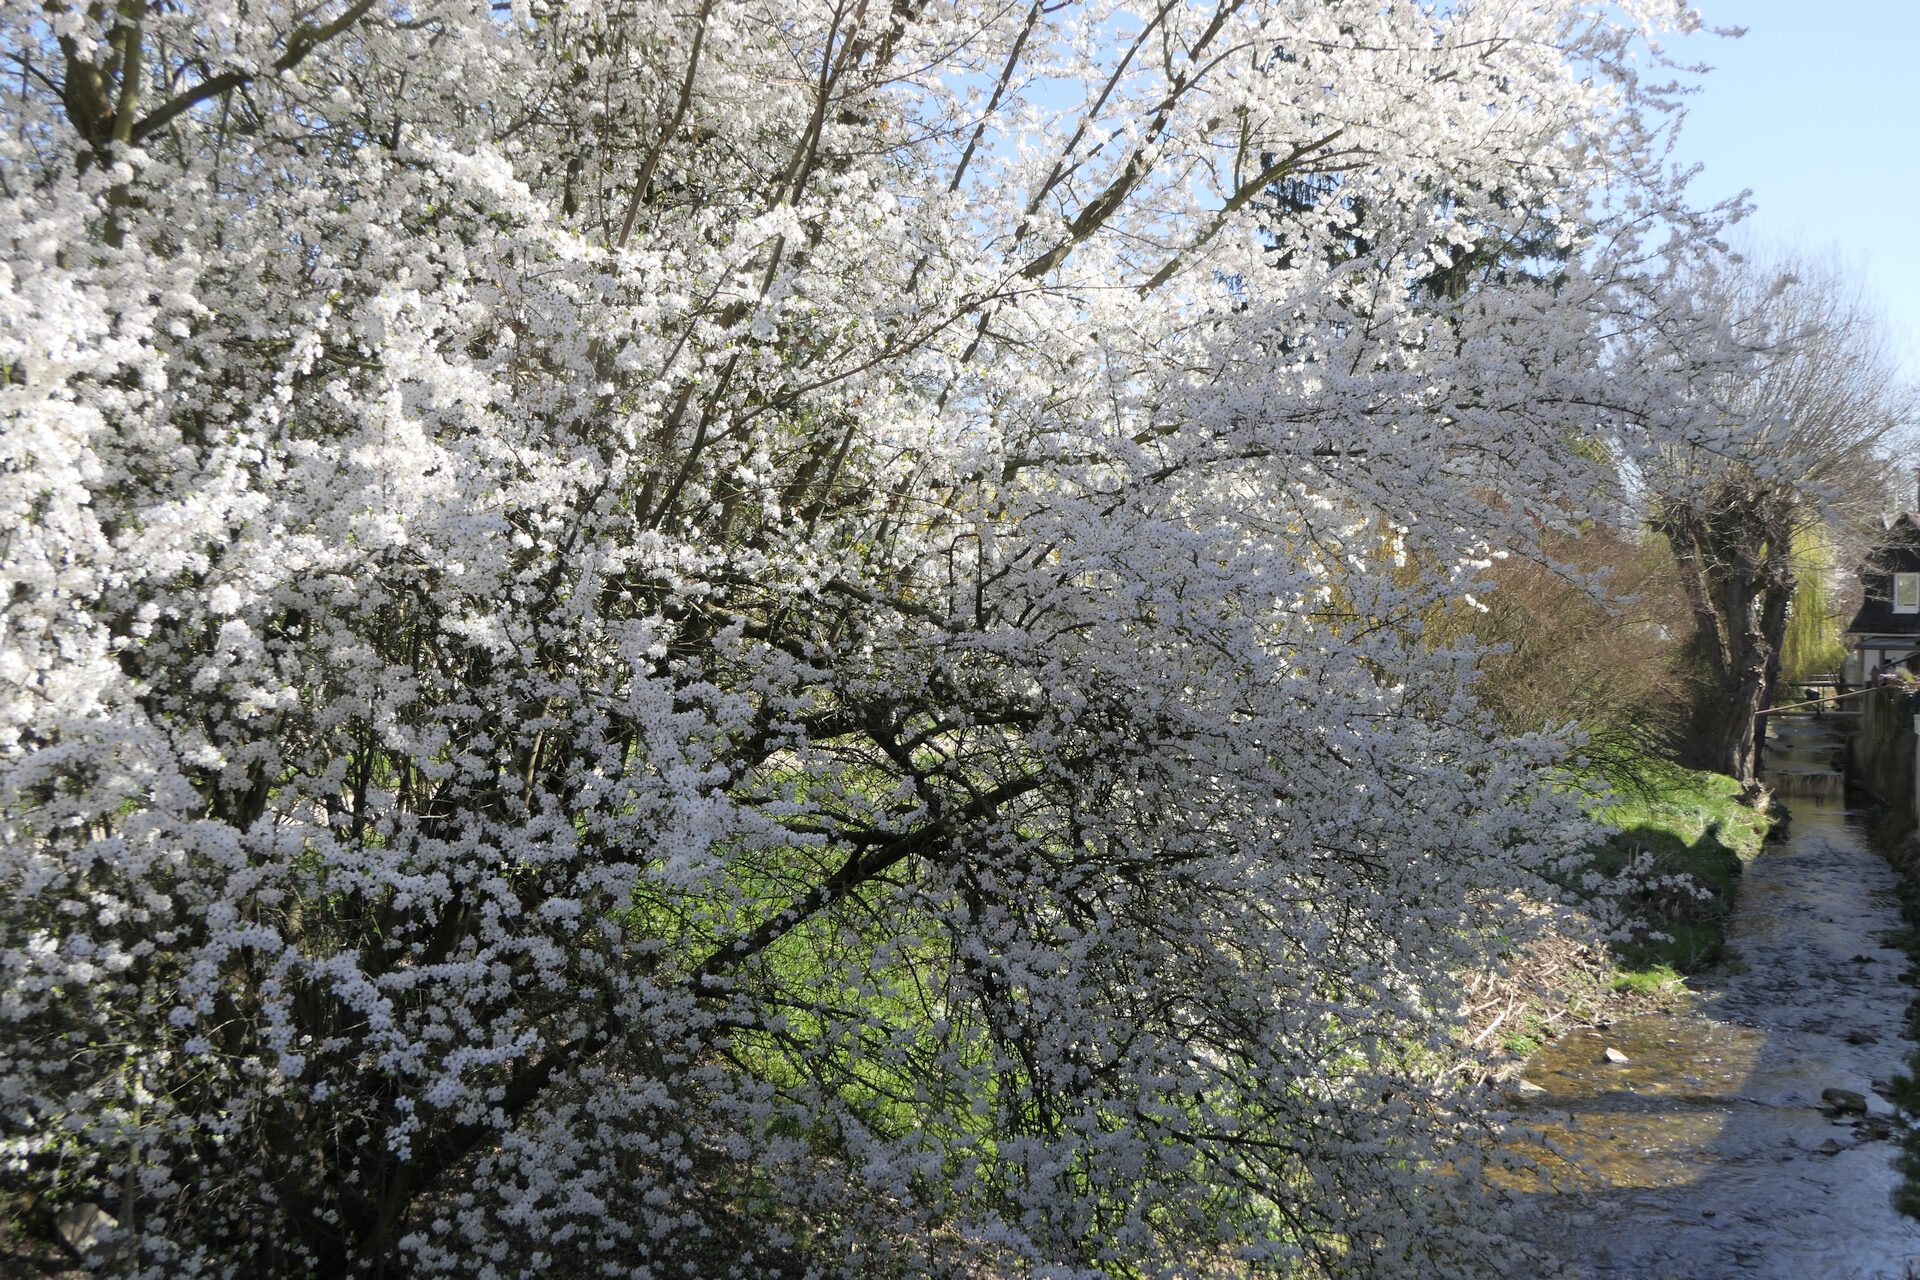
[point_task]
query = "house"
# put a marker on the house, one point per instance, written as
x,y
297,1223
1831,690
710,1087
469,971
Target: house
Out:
x,y
1887,627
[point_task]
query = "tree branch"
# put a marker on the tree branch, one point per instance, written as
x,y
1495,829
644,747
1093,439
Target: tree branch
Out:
x,y
303,41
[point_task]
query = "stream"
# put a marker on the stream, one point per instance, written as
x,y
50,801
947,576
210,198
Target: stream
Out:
x,y
1707,1153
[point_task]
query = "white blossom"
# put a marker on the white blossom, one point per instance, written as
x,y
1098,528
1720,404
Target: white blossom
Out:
x,y
750,638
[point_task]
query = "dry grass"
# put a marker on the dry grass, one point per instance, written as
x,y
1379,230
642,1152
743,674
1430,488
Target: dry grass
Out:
x,y
1556,984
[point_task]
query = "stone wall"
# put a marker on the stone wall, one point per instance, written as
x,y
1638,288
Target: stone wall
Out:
x,y
1881,755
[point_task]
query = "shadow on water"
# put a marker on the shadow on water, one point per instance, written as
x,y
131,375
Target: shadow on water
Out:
x,y
1706,1153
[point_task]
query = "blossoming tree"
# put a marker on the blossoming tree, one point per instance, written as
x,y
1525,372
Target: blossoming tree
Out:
x,y
745,638
1816,409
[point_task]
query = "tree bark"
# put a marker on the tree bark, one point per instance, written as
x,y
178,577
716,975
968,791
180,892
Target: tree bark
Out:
x,y
1733,550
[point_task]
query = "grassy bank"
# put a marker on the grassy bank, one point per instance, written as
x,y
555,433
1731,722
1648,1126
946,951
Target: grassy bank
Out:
x,y
1682,835
1676,838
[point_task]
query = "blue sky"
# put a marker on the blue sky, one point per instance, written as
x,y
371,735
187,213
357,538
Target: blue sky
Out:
x,y
1817,110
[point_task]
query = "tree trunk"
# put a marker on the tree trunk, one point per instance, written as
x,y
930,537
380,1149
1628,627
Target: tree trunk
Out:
x,y
1733,551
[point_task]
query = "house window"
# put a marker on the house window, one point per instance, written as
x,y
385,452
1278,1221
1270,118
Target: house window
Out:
x,y
1906,593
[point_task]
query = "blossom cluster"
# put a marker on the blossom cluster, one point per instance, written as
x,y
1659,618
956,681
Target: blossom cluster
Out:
x,y
750,638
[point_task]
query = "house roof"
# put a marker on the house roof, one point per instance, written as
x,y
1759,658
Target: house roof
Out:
x,y
1898,552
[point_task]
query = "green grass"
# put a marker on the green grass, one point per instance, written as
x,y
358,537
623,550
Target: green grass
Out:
x,y
1694,826
1657,981
1526,1038
1683,804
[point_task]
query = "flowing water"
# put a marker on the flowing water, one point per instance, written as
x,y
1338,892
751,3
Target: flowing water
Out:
x,y
1706,1154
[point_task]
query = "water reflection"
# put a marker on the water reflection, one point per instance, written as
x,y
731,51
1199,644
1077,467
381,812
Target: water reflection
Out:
x,y
1651,1121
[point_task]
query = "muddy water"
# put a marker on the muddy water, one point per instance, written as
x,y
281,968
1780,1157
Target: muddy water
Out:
x,y
1706,1153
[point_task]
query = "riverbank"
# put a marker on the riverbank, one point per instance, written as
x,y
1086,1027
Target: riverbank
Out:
x,y
1668,874
1745,1132
1682,836
1901,845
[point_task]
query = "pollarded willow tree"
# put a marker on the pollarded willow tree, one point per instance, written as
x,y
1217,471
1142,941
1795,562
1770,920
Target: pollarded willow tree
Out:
x,y
1810,413
745,638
